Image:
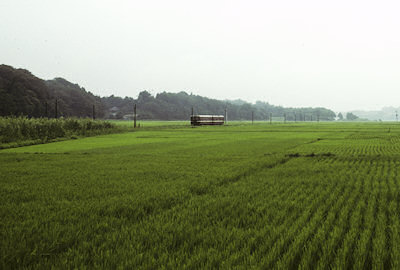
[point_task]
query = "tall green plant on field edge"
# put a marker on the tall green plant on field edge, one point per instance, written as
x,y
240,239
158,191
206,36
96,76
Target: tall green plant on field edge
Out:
x,y
40,130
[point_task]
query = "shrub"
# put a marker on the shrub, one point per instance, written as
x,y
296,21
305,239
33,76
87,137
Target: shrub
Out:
x,y
19,129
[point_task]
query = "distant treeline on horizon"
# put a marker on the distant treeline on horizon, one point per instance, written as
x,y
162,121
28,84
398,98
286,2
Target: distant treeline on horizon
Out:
x,y
21,93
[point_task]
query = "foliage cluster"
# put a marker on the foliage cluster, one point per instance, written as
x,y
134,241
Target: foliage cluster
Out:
x,y
73,100
23,94
178,106
40,130
351,116
294,196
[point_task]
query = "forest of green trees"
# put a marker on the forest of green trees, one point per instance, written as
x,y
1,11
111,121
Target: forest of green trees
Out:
x,y
177,106
21,93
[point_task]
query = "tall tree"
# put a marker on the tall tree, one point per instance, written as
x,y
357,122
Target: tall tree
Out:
x,y
351,117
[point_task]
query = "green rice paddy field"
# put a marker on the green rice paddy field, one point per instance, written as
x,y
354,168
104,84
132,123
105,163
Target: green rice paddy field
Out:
x,y
284,196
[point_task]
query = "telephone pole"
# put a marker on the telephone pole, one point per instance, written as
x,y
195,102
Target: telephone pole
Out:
x,y
56,109
226,116
134,115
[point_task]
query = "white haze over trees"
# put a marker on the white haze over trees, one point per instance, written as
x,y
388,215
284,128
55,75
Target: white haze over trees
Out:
x,y
385,114
343,55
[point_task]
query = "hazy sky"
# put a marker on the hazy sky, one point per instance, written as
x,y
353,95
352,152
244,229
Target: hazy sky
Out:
x,y
339,54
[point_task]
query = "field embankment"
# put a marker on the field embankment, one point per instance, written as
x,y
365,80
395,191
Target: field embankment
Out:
x,y
20,131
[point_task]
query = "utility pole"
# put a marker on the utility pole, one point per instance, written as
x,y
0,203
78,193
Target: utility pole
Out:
x,y
226,116
134,115
192,117
56,109
94,112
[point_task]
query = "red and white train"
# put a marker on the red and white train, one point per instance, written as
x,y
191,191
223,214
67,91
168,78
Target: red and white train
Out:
x,y
201,120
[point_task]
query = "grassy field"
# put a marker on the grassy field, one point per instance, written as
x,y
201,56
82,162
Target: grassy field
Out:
x,y
149,123
305,195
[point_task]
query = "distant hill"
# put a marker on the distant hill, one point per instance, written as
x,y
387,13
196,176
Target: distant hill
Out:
x,y
236,101
178,106
74,100
385,114
21,93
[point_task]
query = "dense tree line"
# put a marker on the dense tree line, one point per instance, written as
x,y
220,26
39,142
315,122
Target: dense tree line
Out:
x,y
178,106
21,93
74,100
123,106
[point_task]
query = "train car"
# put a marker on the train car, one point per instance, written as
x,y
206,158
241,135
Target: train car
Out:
x,y
202,120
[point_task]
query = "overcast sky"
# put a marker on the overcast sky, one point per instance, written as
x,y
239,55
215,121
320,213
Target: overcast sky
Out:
x,y
342,55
